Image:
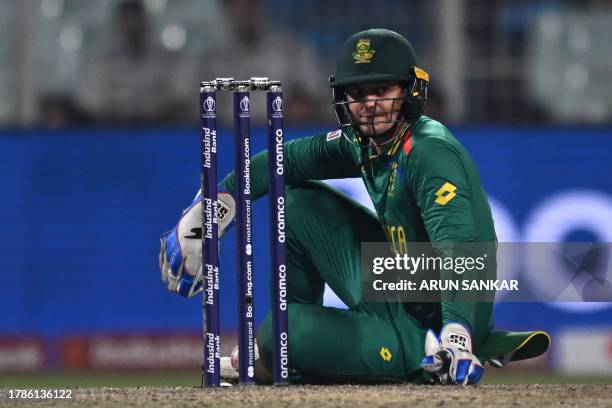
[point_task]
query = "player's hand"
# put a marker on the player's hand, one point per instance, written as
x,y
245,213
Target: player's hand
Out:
x,y
449,357
180,256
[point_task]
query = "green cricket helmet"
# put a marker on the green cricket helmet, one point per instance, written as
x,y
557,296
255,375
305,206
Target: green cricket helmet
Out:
x,y
379,55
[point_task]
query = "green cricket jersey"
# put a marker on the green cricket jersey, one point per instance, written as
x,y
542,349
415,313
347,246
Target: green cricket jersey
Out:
x,y
425,188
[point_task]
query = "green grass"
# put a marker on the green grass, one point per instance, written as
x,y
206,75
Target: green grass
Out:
x,y
192,379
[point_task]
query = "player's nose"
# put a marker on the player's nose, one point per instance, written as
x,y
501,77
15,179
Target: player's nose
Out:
x,y
369,101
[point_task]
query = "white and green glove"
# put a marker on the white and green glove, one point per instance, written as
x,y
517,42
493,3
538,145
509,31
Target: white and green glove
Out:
x,y
449,357
180,256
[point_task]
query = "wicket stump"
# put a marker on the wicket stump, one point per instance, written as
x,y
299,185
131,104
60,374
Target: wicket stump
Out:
x,y
210,241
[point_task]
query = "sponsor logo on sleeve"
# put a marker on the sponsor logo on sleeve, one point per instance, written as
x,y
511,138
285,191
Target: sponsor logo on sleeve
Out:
x,y
445,193
333,135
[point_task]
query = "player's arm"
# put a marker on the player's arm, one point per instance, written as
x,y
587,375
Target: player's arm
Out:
x,y
320,157
441,187
317,157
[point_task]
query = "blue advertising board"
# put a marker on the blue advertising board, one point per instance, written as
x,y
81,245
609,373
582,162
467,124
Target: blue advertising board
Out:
x,y
82,211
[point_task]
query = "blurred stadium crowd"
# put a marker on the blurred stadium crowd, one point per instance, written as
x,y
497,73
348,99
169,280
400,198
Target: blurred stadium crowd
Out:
x,y
125,62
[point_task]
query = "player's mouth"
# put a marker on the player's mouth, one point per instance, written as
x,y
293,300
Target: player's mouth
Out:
x,y
371,119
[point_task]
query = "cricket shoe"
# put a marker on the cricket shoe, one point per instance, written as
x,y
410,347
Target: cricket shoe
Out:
x,y
503,347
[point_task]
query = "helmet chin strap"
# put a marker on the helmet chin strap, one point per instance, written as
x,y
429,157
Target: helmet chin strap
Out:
x,y
397,131
387,136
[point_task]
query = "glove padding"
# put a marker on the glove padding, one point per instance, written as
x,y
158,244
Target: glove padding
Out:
x,y
449,357
180,256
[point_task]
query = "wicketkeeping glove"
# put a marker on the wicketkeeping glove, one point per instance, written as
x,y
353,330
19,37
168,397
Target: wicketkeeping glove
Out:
x,y
180,256
449,357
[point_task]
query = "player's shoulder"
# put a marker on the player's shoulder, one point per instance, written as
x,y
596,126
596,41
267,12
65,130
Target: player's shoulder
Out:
x,y
340,140
324,136
427,135
427,130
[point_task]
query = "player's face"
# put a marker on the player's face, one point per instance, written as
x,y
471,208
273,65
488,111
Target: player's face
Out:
x,y
375,107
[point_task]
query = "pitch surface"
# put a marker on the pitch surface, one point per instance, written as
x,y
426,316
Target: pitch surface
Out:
x,y
340,396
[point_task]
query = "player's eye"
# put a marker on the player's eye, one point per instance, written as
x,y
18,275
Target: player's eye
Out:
x,y
381,90
354,93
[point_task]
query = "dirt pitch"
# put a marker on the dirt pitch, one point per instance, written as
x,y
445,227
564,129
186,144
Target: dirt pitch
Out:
x,y
591,396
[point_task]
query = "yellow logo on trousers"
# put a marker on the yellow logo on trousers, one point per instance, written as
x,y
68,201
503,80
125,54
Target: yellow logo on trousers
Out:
x,y
385,354
445,193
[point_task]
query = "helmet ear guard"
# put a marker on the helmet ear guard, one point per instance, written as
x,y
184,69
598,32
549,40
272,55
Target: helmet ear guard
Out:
x,y
339,104
416,95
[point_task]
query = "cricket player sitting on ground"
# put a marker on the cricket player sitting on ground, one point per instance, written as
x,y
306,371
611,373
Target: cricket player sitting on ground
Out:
x,y
425,188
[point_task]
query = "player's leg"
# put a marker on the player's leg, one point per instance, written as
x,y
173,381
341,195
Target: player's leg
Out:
x,y
325,229
335,345
324,234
